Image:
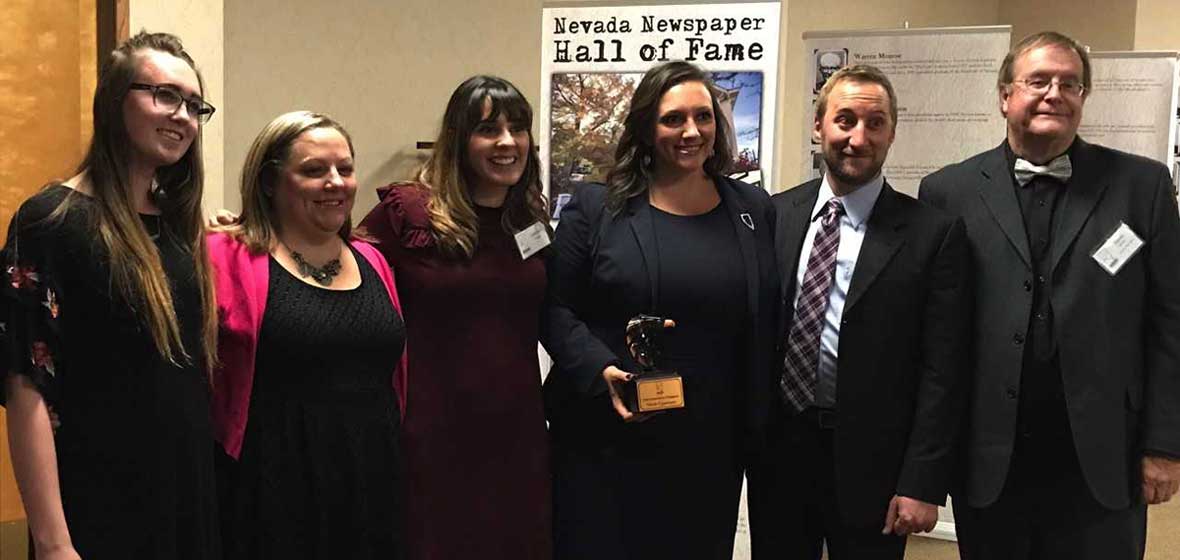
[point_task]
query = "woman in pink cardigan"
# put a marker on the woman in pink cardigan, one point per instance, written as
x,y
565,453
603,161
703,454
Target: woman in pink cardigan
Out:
x,y
308,395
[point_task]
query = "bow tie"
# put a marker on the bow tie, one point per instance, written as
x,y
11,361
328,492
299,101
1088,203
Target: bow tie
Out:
x,y
1060,168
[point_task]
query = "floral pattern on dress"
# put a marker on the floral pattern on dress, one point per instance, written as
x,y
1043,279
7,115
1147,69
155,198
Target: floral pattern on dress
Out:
x,y
22,277
29,311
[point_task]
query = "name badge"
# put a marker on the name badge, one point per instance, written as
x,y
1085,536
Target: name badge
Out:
x,y
1117,249
532,239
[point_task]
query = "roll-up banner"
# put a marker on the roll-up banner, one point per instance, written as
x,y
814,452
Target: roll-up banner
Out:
x,y
1132,105
945,80
592,57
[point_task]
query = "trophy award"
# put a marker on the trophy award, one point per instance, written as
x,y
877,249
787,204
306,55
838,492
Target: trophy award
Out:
x,y
653,388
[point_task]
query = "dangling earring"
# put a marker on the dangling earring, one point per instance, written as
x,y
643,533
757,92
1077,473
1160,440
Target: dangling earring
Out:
x,y
647,160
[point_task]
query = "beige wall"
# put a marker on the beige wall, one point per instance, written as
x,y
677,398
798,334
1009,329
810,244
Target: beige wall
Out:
x,y
1102,25
199,24
385,72
389,72
1157,25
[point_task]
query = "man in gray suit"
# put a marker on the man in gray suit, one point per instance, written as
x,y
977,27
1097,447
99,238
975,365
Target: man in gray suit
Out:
x,y
1074,419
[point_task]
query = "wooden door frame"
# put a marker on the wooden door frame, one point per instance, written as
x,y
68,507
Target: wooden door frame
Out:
x,y
113,23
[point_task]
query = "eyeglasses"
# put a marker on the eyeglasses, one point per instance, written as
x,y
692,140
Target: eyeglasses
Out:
x,y
1040,86
170,98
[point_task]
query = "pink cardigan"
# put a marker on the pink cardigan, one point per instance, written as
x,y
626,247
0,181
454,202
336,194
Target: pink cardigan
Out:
x,y
241,280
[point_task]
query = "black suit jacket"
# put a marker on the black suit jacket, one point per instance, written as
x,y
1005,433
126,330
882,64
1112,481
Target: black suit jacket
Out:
x,y
1118,337
902,336
603,271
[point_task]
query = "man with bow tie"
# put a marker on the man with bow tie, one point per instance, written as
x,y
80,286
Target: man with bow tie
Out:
x,y
860,444
1074,419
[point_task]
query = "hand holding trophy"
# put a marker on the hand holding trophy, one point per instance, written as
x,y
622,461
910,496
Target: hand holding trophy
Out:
x,y
652,389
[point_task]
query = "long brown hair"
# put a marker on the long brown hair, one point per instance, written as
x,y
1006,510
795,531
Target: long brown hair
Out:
x,y
446,173
632,171
256,227
136,268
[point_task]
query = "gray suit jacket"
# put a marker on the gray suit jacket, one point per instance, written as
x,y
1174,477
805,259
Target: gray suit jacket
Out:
x,y
1118,336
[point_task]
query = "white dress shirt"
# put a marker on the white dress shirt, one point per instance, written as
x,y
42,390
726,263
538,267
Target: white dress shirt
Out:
x,y
858,206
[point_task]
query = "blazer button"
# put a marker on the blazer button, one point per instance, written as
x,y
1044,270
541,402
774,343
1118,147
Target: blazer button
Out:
x,y
1018,339
1027,286
1011,393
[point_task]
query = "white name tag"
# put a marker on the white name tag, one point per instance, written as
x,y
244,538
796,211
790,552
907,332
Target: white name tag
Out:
x,y
1118,249
532,239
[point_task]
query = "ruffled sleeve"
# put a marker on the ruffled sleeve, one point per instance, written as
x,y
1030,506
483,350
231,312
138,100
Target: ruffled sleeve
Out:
x,y
400,221
29,306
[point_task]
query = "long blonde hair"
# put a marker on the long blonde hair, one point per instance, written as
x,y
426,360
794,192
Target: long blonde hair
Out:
x,y
452,213
135,263
256,227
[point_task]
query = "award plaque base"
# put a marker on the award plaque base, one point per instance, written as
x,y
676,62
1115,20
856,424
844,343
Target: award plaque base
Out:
x,y
653,391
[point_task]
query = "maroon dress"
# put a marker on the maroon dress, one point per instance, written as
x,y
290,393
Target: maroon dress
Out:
x,y
476,448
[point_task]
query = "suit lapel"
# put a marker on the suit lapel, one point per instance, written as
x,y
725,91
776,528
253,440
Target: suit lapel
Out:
x,y
1082,193
792,226
639,212
999,196
739,214
882,240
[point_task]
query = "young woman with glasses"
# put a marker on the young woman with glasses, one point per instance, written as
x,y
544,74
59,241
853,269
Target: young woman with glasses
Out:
x,y
109,325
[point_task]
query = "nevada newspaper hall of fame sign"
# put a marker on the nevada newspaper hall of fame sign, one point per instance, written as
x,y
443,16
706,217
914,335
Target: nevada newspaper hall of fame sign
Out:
x,y
593,57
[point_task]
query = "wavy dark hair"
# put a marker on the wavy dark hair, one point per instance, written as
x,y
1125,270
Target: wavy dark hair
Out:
x,y
447,174
632,172
136,269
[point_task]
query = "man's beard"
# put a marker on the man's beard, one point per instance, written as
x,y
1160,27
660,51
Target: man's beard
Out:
x,y
832,162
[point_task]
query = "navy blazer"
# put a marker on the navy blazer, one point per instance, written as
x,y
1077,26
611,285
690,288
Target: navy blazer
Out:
x,y
604,268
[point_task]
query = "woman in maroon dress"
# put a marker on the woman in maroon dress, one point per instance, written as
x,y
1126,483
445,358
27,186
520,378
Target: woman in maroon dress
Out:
x,y
474,431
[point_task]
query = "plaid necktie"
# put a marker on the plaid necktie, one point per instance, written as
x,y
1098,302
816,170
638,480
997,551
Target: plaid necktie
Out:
x,y
802,352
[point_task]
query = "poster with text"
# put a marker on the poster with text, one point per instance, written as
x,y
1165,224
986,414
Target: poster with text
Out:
x,y
1132,104
945,81
592,58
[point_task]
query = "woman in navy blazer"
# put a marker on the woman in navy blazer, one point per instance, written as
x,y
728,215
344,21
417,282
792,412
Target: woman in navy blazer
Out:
x,y
668,235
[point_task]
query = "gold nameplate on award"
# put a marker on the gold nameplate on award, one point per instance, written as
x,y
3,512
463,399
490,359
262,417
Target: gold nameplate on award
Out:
x,y
659,393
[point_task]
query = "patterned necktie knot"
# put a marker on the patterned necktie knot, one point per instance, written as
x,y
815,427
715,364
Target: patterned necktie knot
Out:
x,y
1060,168
832,211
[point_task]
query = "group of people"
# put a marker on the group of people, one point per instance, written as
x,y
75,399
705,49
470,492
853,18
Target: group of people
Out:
x,y
287,384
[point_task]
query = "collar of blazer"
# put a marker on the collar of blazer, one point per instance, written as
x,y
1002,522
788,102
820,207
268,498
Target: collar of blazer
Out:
x,y
737,208
883,238
1082,193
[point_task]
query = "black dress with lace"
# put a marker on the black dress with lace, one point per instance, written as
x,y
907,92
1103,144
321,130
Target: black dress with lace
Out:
x,y
319,476
134,445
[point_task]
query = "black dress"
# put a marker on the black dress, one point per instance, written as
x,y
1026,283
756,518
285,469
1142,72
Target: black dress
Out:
x,y
666,487
135,444
684,477
318,474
